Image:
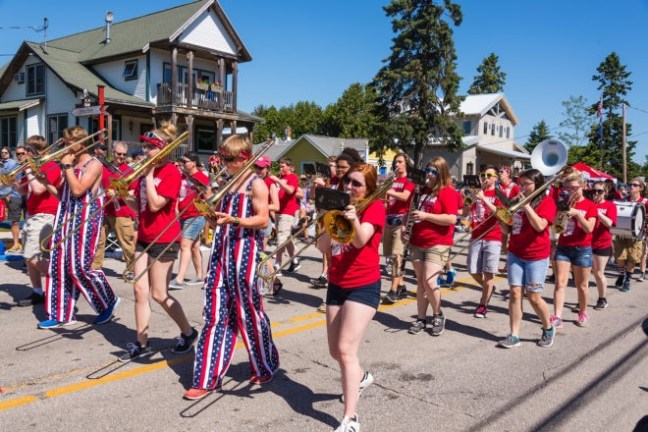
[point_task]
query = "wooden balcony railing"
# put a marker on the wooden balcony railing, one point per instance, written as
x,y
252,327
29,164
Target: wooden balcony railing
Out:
x,y
202,99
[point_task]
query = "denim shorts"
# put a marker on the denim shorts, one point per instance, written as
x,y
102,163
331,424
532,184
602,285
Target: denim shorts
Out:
x,y
529,275
196,225
367,294
576,255
484,256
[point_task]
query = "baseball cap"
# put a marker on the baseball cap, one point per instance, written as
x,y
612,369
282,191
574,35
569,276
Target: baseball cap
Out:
x,y
263,162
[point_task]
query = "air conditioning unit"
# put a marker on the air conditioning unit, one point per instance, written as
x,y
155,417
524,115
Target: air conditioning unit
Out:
x,y
20,78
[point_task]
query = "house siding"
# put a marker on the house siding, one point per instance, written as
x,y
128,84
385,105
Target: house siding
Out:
x,y
35,122
304,152
207,31
113,73
60,98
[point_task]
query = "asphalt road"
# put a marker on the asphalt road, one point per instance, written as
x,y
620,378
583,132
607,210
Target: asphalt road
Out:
x,y
592,379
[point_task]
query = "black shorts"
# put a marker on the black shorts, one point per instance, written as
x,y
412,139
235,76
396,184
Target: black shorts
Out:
x,y
366,294
15,208
607,252
156,250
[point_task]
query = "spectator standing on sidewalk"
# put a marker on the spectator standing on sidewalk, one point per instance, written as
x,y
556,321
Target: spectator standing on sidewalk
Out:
x,y
288,184
15,202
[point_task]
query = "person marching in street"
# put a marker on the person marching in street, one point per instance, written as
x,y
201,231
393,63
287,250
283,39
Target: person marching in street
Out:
x,y
398,198
509,190
288,185
155,197
602,240
353,294
627,251
41,190
431,238
233,301
486,239
331,183
118,216
528,259
262,167
190,242
70,273
574,250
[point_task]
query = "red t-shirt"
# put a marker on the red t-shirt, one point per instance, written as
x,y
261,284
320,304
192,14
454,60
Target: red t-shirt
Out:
x,y
187,195
352,268
525,242
511,190
45,202
121,209
167,184
427,234
397,207
574,236
480,213
288,204
602,236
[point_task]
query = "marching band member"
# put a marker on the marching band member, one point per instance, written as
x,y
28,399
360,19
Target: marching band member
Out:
x,y
353,292
510,190
628,252
155,198
233,301
431,238
486,240
602,240
528,258
398,198
69,271
574,249
41,189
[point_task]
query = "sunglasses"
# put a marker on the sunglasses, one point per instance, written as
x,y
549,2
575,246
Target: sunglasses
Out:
x,y
635,185
229,159
354,183
430,170
5,153
120,154
598,191
20,154
489,175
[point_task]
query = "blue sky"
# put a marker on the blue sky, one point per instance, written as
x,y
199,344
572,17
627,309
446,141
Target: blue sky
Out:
x,y
307,50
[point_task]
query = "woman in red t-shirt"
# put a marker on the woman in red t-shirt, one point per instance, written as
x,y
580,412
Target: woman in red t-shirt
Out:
x,y
602,240
574,250
155,197
528,258
431,238
353,293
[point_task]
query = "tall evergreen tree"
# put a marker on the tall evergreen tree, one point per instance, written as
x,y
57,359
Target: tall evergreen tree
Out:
x,y
417,88
491,79
539,133
605,151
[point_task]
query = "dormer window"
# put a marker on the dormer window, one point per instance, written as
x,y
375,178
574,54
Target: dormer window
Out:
x,y
130,70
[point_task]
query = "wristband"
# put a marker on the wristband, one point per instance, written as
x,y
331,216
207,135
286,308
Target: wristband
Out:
x,y
236,220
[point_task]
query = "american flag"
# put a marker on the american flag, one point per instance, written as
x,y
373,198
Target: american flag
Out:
x,y
599,114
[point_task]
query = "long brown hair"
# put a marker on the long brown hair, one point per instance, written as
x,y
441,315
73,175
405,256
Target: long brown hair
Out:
x,y
443,179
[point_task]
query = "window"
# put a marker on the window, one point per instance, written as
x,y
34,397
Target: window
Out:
x,y
205,140
130,70
485,128
55,125
116,126
35,79
501,131
467,127
508,132
492,130
470,168
8,133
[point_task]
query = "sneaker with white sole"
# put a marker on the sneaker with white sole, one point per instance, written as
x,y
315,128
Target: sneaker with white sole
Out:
x,y
136,350
438,324
185,343
417,326
294,265
52,324
366,381
601,304
511,341
349,424
107,314
176,284
547,338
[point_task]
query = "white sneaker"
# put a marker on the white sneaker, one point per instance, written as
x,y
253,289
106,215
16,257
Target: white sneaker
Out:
x,y
175,284
194,281
278,270
349,425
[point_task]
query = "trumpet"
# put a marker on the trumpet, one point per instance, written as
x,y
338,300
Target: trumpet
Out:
x,y
468,196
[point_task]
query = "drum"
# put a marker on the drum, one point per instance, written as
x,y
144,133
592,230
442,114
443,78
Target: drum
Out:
x,y
630,219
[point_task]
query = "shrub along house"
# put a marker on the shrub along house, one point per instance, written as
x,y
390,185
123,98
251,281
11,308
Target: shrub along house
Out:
x,y
179,64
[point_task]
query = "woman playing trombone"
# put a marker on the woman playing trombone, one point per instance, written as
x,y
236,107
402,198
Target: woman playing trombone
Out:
x,y
69,271
233,300
156,196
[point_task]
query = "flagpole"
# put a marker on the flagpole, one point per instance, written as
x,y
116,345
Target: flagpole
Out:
x,y
623,146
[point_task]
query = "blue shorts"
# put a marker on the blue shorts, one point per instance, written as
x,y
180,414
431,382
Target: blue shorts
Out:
x,y
367,294
196,225
529,275
576,255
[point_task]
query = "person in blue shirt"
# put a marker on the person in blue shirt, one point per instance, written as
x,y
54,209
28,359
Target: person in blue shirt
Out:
x,y
15,202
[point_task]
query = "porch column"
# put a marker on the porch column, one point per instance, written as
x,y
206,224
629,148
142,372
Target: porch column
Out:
x,y
190,57
219,133
234,84
221,77
174,75
190,144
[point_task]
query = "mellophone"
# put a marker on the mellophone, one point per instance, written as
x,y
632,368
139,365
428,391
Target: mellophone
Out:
x,y
631,219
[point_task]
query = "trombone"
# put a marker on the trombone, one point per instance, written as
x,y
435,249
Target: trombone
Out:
x,y
203,206
7,179
121,186
333,223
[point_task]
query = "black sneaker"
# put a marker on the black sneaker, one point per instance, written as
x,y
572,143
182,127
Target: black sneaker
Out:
x,y
185,343
401,291
320,282
391,298
438,324
619,282
601,304
32,300
136,350
294,265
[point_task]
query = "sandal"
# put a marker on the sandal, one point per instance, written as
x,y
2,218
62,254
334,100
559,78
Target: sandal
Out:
x,y
276,287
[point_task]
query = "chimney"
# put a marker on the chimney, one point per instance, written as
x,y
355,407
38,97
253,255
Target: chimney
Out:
x,y
109,20
288,133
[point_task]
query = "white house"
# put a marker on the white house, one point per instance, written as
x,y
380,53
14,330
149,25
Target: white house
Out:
x,y
179,64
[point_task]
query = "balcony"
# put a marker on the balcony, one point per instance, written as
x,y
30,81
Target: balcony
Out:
x,y
221,101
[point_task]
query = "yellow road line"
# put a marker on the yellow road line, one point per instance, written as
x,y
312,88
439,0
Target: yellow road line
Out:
x,y
144,369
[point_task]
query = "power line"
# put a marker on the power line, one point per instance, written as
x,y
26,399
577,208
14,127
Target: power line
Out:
x,y
638,109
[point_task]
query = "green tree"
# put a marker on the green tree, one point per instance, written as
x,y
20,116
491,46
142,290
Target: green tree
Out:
x,y
539,133
418,85
273,126
351,115
577,123
605,151
491,79
303,118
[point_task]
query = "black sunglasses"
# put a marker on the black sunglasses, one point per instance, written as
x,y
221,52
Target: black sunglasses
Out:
x,y
229,158
598,191
20,154
355,183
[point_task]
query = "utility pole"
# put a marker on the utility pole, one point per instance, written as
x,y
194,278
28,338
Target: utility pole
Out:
x,y
623,146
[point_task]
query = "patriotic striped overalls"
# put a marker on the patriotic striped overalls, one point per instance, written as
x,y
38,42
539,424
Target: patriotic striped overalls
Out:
x,y
69,268
233,301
